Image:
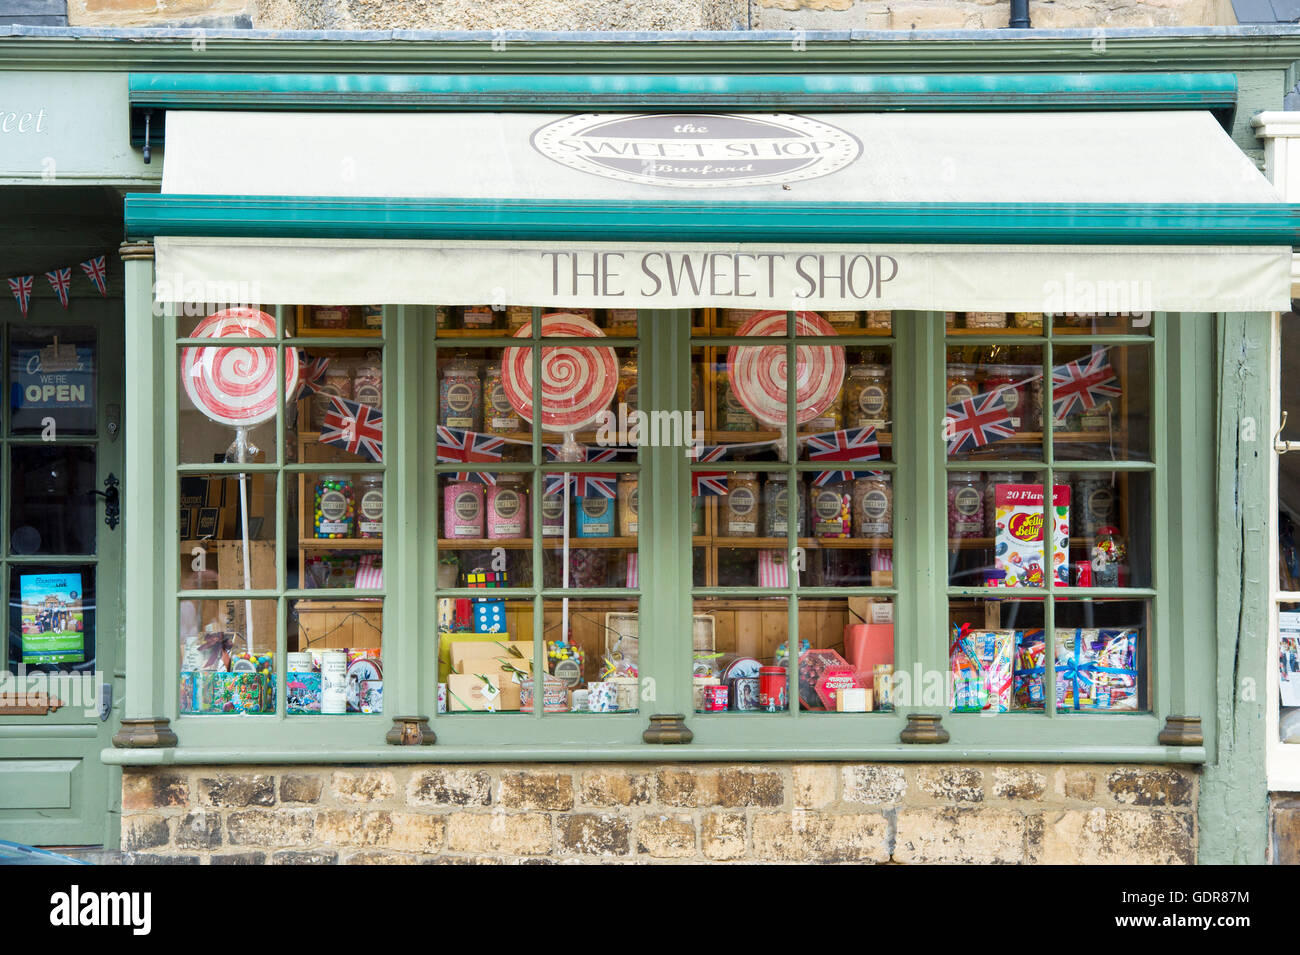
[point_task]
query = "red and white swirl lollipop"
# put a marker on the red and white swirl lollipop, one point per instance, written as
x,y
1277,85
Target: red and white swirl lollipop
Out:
x,y
759,377
235,384
578,383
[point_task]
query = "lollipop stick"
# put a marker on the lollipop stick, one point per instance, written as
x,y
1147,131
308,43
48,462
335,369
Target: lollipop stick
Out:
x,y
240,449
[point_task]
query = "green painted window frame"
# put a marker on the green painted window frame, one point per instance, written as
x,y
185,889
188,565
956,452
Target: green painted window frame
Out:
x,y
1182,462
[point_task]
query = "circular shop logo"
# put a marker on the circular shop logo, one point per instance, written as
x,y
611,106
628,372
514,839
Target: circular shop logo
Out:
x,y
698,150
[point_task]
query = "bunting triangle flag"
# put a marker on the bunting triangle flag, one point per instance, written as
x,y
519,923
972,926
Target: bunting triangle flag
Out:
x,y
61,281
22,289
97,273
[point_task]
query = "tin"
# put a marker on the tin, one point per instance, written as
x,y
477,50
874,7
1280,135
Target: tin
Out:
x,y
772,689
715,699
334,682
744,696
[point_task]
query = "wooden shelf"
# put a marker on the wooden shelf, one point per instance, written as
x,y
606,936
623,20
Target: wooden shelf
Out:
x,y
778,543
341,543
884,438
338,333
526,543
1009,330
506,333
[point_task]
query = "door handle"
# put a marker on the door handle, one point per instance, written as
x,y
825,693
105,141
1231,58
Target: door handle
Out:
x,y
112,502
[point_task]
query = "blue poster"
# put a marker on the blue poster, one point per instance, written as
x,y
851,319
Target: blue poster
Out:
x,y
53,619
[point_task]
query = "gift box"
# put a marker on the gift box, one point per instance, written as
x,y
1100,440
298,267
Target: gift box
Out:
x,y
489,616
813,667
239,692
980,663
455,615
494,651
834,681
494,644
1096,669
487,578
302,692
189,692
472,692
1027,671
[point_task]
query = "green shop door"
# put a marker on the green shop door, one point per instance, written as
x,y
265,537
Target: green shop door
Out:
x,y
60,569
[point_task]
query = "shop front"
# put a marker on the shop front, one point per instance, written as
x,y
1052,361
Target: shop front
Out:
x,y
827,465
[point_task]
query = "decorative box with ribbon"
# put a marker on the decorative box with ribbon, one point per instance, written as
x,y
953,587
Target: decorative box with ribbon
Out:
x,y
1095,670
980,666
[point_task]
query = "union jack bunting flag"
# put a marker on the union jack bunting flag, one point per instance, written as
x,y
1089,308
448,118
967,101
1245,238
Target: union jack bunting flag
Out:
x,y
95,271
977,421
22,289
708,452
589,453
311,372
835,477
851,444
1083,383
708,483
61,281
584,485
458,444
355,427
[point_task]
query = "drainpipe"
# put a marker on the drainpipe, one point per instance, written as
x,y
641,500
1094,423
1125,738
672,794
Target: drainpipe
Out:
x,y
1019,15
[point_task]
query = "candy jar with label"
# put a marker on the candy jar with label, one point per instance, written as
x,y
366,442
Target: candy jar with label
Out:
x,y
732,415
335,506
990,499
961,383
832,509
596,515
463,508
370,506
481,317
739,511
499,416
368,381
336,382
460,396
831,419
553,515
866,397
626,393
965,504
628,505
1094,498
1109,558
873,506
507,508
372,317
776,505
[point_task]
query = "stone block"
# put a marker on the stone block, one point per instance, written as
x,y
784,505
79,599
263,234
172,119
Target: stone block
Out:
x,y
370,785
951,783
199,830
1118,836
533,789
144,789
959,835
686,787
304,857
803,836
606,787
1018,783
144,831
815,785
450,787
237,790
666,837
872,784
594,834
301,788
750,787
269,828
723,836
499,832
1139,786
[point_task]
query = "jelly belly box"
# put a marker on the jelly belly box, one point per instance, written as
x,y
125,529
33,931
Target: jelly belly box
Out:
x,y
1019,555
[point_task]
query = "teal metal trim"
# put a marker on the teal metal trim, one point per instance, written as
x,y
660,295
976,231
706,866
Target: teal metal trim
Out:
x,y
149,215
581,92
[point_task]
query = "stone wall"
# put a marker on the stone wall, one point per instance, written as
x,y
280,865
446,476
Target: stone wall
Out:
x,y
806,812
656,15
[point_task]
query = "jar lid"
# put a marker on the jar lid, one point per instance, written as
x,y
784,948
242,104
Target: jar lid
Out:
x,y
1002,371
778,476
882,476
964,476
336,477
961,369
744,476
372,478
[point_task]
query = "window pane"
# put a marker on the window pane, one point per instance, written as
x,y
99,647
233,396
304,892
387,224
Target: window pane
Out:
x,y
335,662
227,656
995,530
993,395
52,507
1288,663
739,655
1110,528
995,646
485,529
596,659
485,655
1101,396
336,519
598,544
1135,321
212,529
343,321
1102,654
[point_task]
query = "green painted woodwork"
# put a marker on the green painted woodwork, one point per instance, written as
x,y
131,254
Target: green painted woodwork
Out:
x,y
921,594
642,221
1233,818
37,783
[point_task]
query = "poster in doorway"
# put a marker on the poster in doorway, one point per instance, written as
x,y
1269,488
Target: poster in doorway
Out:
x,y
53,621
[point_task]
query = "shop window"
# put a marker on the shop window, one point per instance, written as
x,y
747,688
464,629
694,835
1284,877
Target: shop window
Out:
x,y
281,492
538,467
